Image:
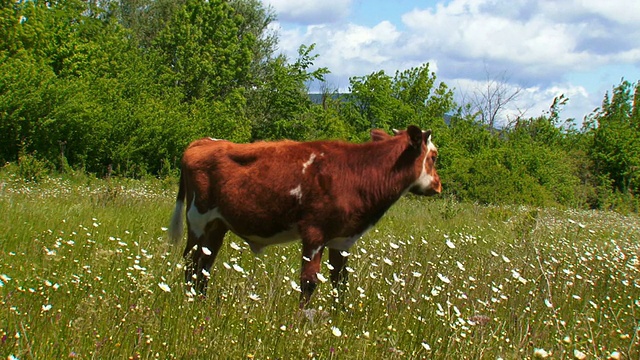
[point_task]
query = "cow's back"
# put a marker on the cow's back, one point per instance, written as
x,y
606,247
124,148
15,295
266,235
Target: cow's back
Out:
x,y
259,189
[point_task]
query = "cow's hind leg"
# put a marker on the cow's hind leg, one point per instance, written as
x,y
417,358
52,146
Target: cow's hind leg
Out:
x,y
193,249
339,275
202,256
212,243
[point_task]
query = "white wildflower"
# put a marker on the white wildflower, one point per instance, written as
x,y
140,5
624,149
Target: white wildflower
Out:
x,y
335,331
579,354
540,353
164,287
238,268
444,279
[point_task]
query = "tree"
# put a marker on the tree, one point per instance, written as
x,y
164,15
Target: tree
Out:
x,y
204,52
145,19
281,102
615,130
489,101
410,97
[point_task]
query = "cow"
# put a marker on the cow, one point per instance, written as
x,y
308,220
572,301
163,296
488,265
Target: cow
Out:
x,y
326,193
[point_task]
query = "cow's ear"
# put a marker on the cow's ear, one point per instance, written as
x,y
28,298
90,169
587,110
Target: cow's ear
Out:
x,y
415,136
378,135
427,136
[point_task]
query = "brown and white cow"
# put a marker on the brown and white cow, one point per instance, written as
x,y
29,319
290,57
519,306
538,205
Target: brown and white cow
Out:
x,y
327,193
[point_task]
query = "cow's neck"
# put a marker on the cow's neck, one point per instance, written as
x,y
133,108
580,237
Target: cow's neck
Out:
x,y
393,173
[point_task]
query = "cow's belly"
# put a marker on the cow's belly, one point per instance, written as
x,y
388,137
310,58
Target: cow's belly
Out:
x,y
257,243
199,221
345,243
342,243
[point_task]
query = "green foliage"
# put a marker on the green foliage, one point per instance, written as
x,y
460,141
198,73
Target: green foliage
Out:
x,y
410,97
280,107
202,50
26,88
31,168
614,131
532,162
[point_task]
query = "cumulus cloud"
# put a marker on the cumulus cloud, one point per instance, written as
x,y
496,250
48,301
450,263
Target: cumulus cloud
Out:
x,y
353,50
534,38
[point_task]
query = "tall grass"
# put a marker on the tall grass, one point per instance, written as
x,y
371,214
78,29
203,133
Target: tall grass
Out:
x,y
85,272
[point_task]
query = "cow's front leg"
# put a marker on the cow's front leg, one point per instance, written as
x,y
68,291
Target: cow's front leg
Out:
x,y
311,257
339,273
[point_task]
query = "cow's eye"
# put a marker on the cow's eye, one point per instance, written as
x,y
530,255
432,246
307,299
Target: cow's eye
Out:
x,y
434,158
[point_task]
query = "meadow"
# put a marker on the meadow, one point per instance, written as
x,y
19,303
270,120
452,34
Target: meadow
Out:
x,y
86,272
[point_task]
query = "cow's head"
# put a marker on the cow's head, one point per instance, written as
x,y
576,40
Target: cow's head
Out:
x,y
427,179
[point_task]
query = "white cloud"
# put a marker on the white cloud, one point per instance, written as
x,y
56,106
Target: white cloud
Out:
x,y
351,50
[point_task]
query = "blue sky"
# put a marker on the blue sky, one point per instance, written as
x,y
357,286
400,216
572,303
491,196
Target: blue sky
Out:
x,y
580,48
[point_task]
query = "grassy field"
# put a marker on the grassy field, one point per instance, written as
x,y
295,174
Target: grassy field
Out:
x,y
86,272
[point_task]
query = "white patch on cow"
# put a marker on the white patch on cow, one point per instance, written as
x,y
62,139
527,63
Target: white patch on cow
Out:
x,y
176,224
345,243
214,139
315,252
425,180
297,192
197,221
309,162
430,146
258,243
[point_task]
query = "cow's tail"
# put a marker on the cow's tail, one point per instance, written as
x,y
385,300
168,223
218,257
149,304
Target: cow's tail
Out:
x,y
176,225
